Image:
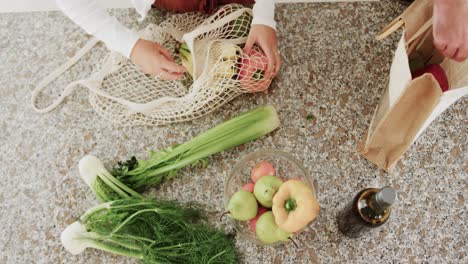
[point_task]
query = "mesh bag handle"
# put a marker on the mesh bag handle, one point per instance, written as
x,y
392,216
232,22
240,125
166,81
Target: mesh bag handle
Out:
x,y
132,106
120,92
55,74
135,107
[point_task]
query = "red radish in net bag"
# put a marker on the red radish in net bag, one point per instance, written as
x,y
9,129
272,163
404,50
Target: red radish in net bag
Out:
x,y
252,72
438,72
249,187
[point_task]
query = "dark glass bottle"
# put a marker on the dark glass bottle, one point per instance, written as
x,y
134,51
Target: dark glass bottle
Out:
x,y
369,209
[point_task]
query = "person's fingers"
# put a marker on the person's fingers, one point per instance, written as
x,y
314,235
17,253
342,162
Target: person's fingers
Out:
x,y
450,51
165,75
454,56
171,66
461,55
249,44
278,62
440,43
166,54
271,61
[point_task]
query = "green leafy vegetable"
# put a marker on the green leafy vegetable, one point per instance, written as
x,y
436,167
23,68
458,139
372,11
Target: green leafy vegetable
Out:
x,y
164,164
240,27
186,57
154,231
104,185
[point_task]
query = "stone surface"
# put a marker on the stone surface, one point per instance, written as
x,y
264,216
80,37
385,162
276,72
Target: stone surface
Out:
x,y
333,71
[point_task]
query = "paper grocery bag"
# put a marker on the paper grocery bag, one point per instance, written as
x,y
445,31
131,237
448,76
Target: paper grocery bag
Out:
x,y
409,106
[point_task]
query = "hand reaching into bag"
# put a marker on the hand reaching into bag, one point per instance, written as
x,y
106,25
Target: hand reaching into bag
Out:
x,y
451,28
153,59
265,38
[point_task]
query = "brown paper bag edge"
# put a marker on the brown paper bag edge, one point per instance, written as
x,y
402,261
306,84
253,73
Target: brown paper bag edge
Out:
x,y
412,23
379,156
412,19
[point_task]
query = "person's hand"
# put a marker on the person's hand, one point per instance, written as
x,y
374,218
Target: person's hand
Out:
x,y
155,60
265,38
451,28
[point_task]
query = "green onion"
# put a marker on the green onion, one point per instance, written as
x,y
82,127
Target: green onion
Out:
x,y
154,231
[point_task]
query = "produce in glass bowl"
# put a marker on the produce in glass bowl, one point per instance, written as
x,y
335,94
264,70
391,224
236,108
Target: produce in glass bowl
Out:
x,y
286,196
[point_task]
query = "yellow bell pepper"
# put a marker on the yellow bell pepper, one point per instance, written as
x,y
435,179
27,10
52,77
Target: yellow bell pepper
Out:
x,y
294,206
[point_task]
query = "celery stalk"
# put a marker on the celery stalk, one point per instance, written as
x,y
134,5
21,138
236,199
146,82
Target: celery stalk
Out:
x,y
162,165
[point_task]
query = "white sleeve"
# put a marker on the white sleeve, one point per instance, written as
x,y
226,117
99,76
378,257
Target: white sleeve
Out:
x,y
96,21
264,13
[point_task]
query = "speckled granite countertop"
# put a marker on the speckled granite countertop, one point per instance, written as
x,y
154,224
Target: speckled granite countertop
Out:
x,y
333,69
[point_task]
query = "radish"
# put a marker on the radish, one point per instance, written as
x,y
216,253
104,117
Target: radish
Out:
x,y
252,72
249,187
438,72
263,168
253,222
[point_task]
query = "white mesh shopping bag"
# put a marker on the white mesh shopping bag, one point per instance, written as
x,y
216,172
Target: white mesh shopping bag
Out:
x,y
209,47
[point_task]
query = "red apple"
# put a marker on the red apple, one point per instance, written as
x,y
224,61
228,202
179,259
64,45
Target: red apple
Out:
x,y
263,168
249,187
253,222
438,72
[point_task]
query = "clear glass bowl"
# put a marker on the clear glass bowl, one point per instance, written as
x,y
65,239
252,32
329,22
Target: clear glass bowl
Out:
x,y
286,168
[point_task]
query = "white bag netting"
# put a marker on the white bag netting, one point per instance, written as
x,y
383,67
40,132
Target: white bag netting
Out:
x,y
210,48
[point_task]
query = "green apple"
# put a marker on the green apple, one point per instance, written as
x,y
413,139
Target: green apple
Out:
x,y
242,206
265,188
268,231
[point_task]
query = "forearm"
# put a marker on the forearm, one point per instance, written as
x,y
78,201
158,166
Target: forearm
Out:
x,y
96,21
264,13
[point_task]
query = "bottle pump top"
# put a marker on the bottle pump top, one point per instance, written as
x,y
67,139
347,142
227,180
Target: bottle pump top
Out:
x,y
385,197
